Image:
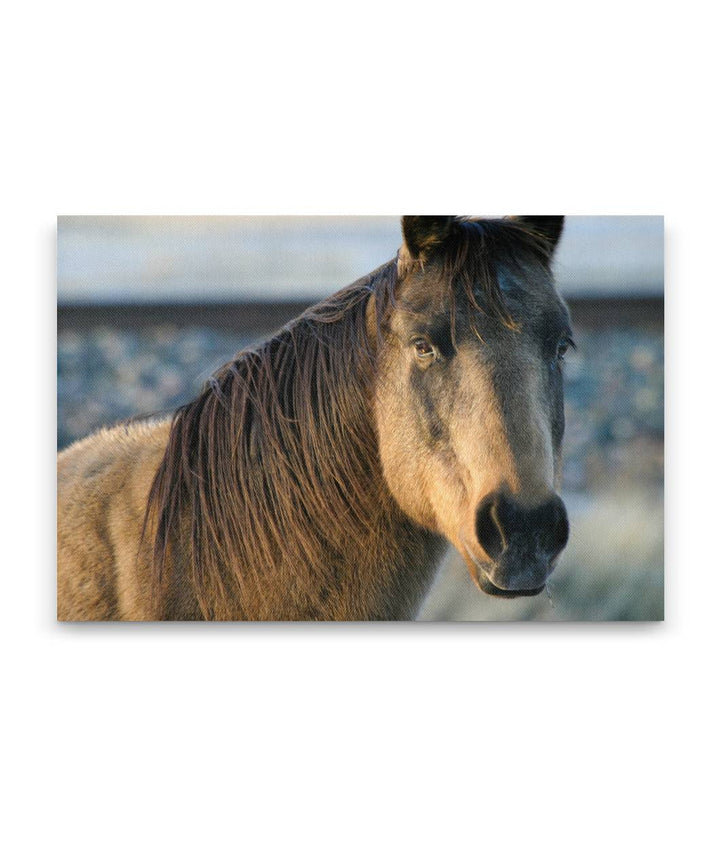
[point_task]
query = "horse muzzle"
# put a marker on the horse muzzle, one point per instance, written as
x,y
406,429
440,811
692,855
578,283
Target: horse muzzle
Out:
x,y
523,544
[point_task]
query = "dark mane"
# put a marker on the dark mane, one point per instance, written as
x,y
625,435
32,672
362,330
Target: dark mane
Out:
x,y
275,463
279,438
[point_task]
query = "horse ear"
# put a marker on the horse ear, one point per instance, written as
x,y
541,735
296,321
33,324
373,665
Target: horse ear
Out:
x,y
547,227
423,234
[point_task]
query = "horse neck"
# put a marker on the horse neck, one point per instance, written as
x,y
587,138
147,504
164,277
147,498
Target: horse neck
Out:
x,y
385,576
381,570
393,581
294,519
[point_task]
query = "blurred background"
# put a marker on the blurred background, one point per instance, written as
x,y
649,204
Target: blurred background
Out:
x,y
148,307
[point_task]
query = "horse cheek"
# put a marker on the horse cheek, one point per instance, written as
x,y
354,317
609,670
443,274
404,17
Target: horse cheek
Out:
x,y
403,454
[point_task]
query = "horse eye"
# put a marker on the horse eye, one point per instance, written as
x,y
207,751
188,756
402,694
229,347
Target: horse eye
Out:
x,y
423,349
563,346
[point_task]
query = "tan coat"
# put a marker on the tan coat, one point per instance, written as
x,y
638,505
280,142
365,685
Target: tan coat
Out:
x,y
103,486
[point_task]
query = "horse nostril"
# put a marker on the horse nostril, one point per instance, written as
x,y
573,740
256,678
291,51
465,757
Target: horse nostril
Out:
x,y
561,528
501,521
487,528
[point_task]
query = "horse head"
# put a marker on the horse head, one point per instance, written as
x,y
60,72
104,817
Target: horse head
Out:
x,y
469,392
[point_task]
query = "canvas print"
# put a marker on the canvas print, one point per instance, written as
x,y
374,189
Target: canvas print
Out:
x,y
426,417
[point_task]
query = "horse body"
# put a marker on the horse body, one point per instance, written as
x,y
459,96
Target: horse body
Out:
x,y
321,474
105,567
103,486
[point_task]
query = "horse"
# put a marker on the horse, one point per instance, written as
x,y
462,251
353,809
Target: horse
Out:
x,y
323,473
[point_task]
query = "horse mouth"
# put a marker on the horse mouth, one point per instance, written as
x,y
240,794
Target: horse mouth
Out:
x,y
490,588
480,570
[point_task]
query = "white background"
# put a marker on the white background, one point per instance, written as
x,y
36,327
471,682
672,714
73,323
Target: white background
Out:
x,y
360,739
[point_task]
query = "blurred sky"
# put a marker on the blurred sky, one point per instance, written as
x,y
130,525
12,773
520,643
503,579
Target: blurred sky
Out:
x,y
136,259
